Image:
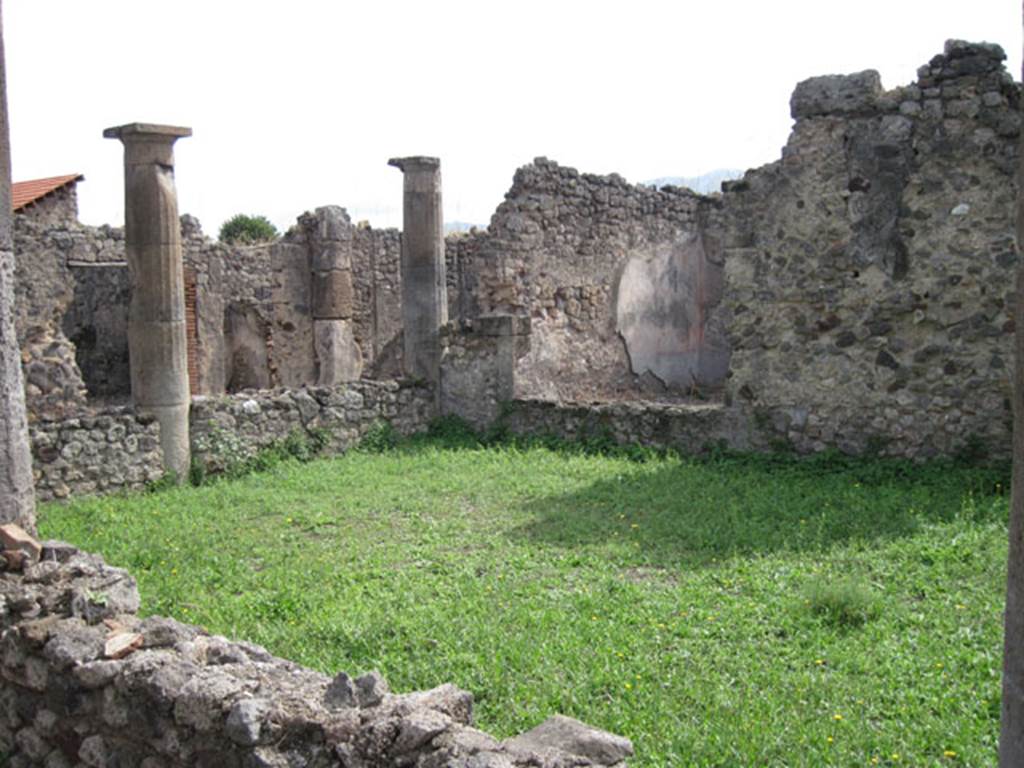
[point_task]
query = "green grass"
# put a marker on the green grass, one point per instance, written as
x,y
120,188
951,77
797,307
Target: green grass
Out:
x,y
732,612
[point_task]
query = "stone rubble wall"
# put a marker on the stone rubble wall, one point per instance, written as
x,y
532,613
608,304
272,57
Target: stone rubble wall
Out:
x,y
555,251
237,426
95,453
100,451
96,322
377,280
43,291
869,273
84,681
56,208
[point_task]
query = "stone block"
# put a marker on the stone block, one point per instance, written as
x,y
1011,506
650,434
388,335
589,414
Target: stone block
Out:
x,y
332,255
15,538
836,95
576,738
503,325
333,296
338,356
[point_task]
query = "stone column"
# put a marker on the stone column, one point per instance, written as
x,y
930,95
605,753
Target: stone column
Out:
x,y
156,318
1011,739
17,492
424,296
338,357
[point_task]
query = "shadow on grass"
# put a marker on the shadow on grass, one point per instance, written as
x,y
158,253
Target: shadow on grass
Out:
x,y
688,512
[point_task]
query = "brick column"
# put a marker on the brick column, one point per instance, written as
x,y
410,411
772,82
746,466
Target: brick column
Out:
x,y
156,317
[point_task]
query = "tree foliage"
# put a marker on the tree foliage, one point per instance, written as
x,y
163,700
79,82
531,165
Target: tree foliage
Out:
x,y
247,229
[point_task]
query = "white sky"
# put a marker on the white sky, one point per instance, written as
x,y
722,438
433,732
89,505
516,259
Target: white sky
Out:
x,y
300,103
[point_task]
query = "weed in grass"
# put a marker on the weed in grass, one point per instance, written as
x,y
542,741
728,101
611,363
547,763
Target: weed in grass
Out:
x,y
221,453
380,437
844,604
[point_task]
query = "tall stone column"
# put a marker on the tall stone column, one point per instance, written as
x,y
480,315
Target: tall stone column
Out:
x,y
1011,739
17,492
338,357
156,318
424,296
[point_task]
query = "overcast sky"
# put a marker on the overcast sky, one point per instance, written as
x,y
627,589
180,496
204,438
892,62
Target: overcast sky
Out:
x,y
301,103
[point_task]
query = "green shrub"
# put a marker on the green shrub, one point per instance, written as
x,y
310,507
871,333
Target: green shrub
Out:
x,y
247,229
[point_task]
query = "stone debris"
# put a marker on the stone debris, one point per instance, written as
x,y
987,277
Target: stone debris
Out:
x,y
14,539
121,644
568,735
84,681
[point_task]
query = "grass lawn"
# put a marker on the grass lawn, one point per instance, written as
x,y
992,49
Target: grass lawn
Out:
x,y
734,612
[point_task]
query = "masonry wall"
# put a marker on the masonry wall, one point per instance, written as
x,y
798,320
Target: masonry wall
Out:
x,y
869,273
687,428
377,280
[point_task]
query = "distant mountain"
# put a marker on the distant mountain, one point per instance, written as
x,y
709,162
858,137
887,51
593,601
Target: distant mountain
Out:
x,y
460,226
703,185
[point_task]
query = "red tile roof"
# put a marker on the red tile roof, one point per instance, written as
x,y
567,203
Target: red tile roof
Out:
x,y
24,193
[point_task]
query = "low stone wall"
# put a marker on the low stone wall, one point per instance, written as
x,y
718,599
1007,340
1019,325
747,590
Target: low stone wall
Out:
x,y
235,427
114,449
688,429
95,453
85,682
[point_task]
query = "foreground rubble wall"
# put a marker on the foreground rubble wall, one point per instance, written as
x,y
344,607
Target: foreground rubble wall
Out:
x,y
84,681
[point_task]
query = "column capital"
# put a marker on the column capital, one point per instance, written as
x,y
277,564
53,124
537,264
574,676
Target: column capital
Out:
x,y
147,132
415,163
147,144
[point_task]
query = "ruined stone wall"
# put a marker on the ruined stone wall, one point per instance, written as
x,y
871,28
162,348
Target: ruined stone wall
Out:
x,y
96,322
869,273
377,278
238,425
43,292
253,314
619,282
85,681
57,208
